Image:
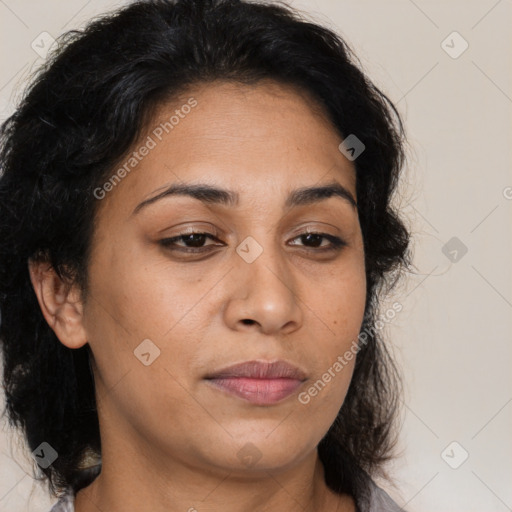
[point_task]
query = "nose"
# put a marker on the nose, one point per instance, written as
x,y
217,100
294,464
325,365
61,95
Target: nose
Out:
x,y
264,295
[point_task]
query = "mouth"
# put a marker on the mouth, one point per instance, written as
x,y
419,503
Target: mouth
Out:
x,y
259,382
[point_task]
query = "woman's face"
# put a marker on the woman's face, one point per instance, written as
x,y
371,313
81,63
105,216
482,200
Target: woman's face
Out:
x,y
162,321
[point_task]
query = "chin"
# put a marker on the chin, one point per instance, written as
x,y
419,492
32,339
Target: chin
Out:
x,y
253,452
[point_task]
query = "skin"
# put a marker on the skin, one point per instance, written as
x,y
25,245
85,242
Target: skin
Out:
x,y
170,441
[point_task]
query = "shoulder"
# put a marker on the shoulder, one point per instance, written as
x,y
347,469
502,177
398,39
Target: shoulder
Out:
x,y
66,503
380,501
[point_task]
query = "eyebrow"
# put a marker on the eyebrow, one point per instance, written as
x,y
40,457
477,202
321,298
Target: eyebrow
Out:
x,y
214,195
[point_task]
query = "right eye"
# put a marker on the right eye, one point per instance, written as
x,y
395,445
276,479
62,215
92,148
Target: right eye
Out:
x,y
193,242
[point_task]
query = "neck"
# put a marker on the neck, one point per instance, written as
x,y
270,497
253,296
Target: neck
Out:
x,y
132,481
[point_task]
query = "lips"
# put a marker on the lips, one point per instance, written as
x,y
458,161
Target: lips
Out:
x,y
261,370
259,382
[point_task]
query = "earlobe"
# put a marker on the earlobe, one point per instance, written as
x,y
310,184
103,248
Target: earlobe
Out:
x,y
60,303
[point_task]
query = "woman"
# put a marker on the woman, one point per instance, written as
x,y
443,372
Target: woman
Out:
x,y
196,233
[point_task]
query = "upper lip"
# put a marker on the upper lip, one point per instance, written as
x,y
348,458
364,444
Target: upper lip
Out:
x,y
260,370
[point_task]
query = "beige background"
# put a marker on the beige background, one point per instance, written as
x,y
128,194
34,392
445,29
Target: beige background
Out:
x,y
454,335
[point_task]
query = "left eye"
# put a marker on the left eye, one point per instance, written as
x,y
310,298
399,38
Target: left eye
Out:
x,y
195,242
316,239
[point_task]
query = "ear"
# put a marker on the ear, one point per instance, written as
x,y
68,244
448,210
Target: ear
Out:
x,y
60,303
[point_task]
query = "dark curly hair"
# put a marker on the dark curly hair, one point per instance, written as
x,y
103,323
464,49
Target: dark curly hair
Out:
x,y
84,110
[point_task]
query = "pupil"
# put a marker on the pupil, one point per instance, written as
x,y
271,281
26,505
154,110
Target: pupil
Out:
x,y
196,239
315,238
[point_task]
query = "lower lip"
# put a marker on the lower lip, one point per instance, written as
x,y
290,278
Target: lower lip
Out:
x,y
258,391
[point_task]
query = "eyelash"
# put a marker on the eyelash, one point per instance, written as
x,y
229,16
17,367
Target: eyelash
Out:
x,y
336,243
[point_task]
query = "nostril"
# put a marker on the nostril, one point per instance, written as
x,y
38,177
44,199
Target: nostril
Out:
x,y
248,321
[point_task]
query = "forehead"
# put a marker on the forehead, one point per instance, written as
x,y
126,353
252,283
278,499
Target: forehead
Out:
x,y
263,140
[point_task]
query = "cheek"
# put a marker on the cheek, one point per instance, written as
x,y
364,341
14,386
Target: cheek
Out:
x,y
145,300
340,305
341,298
142,348
138,309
